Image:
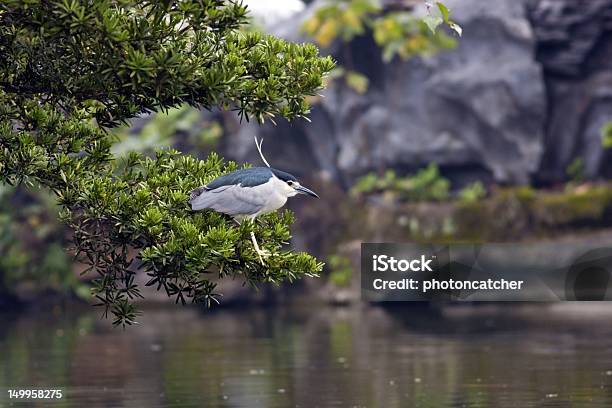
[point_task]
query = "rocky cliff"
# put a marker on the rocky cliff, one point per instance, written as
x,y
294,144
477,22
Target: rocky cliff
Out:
x,y
574,48
526,91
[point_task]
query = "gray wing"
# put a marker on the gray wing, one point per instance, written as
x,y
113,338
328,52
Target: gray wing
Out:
x,y
251,177
230,200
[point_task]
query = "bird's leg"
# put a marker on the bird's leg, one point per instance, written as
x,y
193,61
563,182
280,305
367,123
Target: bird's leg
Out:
x,y
260,253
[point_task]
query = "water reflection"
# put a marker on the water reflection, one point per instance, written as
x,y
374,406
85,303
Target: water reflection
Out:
x,y
281,357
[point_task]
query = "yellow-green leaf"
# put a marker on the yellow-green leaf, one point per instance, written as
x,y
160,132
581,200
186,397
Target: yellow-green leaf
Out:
x,y
358,82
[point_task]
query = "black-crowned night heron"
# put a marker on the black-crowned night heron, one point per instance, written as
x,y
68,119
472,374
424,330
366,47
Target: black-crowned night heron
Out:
x,y
248,193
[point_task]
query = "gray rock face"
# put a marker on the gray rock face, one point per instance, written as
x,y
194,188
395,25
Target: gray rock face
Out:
x,y
575,49
463,108
527,89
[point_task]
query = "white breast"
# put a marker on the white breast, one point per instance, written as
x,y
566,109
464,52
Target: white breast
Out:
x,y
274,195
270,196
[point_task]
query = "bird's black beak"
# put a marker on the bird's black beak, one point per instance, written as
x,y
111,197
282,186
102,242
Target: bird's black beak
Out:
x,y
304,190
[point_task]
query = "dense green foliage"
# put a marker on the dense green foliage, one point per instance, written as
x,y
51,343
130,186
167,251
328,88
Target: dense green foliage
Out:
x,y
71,69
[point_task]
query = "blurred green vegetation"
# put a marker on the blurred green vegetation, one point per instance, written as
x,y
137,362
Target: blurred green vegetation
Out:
x,y
513,213
426,185
606,135
472,192
340,270
181,128
33,246
575,170
427,210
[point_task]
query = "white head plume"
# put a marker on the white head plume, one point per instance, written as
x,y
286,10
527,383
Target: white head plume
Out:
x,y
258,144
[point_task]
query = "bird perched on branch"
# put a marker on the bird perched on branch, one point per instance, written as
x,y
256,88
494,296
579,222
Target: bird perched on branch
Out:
x,y
248,193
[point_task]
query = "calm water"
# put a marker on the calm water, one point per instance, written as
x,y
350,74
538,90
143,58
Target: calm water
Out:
x,y
514,356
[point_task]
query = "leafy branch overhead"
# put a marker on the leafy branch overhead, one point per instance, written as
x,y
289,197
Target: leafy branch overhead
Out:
x,y
71,69
396,28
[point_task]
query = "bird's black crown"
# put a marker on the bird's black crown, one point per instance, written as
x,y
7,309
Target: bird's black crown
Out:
x,y
282,175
